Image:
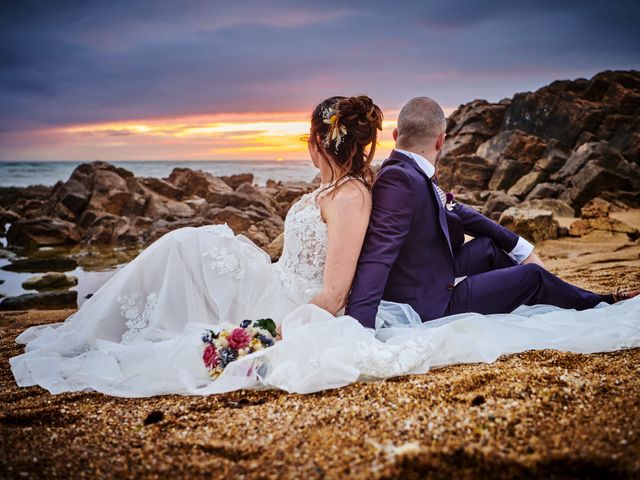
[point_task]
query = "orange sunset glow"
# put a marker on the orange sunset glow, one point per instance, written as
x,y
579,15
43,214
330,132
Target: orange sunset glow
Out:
x,y
258,136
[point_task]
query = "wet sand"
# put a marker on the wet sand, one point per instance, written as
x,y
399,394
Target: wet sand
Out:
x,y
543,414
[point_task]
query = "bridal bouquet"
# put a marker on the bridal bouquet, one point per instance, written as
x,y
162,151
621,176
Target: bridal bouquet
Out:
x,y
230,344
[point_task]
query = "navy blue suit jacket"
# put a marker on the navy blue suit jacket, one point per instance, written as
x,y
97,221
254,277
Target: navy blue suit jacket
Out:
x,y
408,251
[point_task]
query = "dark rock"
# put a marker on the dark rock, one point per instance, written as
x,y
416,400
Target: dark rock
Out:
x,y
545,190
201,184
571,110
42,231
234,181
526,183
159,206
507,174
553,113
514,145
154,416
50,281
41,301
10,197
496,203
110,229
468,171
472,124
162,187
248,195
584,154
597,169
41,265
552,161
534,225
8,216
558,207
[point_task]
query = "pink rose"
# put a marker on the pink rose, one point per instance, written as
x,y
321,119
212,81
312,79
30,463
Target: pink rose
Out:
x,y
239,338
210,357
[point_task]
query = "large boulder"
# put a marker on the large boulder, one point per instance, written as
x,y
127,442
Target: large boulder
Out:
x,y
552,160
585,226
496,202
558,207
472,124
579,111
201,184
514,153
162,187
597,169
515,145
534,225
158,206
468,171
98,186
527,183
42,232
545,190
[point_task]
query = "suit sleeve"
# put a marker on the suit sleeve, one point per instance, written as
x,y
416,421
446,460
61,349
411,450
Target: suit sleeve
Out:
x,y
476,225
394,207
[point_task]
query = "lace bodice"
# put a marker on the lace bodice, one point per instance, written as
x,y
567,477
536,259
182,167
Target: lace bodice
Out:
x,y
305,245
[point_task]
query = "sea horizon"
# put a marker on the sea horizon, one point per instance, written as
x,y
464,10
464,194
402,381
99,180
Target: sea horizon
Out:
x,y
24,173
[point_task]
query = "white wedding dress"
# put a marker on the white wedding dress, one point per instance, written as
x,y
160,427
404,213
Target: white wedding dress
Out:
x,y
140,333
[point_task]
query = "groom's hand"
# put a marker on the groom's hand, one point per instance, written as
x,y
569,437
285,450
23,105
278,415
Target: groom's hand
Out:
x,y
533,258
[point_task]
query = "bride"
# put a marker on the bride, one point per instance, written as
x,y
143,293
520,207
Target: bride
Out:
x,y
140,333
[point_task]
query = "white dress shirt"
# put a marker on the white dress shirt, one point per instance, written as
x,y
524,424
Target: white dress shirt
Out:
x,y
522,249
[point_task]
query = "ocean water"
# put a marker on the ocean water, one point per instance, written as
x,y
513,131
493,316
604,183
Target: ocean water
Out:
x,y
23,174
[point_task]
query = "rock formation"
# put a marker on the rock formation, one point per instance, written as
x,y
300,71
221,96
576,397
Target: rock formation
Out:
x,y
571,140
101,204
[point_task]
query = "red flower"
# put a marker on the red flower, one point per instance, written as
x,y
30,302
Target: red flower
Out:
x,y
239,338
210,357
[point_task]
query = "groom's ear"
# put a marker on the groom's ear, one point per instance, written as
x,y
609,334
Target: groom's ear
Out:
x,y
395,134
440,141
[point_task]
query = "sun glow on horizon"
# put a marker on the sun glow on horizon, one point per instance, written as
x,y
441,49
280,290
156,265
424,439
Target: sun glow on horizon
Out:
x,y
256,136
233,136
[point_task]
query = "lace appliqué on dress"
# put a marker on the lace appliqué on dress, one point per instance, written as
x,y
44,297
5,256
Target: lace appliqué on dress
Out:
x,y
137,320
382,360
305,245
223,262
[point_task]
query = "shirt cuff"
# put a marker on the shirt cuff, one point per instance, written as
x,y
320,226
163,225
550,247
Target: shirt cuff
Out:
x,y
521,251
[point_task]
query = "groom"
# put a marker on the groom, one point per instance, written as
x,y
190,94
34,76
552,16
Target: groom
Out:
x,y
414,250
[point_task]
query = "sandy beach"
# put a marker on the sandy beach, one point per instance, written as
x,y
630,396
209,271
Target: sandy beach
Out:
x,y
540,413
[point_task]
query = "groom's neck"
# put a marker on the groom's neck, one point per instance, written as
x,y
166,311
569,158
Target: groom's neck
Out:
x,y
429,153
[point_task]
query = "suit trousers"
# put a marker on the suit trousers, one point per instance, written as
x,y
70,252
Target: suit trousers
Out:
x,y
496,284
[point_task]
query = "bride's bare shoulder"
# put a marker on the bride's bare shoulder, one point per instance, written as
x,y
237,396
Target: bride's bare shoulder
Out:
x,y
352,194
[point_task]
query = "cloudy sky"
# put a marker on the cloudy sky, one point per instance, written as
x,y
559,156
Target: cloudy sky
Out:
x,y
195,80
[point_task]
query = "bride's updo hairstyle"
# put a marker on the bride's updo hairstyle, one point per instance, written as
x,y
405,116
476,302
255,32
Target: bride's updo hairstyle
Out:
x,y
345,132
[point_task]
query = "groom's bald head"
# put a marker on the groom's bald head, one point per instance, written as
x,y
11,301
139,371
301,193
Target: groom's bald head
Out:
x,y
421,121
